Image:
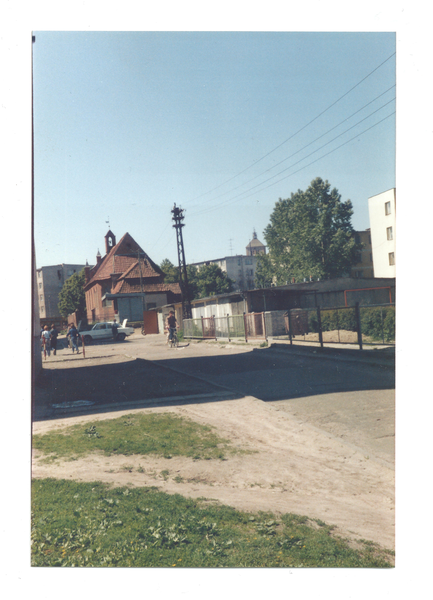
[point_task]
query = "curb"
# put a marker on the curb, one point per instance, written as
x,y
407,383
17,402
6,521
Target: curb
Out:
x,y
334,354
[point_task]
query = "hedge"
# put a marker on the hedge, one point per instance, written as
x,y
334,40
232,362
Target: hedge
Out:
x,y
375,321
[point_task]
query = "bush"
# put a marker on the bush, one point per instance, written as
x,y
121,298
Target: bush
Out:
x,y
377,322
333,319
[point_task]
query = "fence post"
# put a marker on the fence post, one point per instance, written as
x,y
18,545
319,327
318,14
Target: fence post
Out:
x,y
290,327
319,322
264,326
214,326
202,329
358,324
228,327
245,328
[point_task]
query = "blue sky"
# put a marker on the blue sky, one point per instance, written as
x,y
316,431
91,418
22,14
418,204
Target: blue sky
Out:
x,y
221,123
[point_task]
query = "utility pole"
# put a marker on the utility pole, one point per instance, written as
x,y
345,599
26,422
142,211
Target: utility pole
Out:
x,y
178,217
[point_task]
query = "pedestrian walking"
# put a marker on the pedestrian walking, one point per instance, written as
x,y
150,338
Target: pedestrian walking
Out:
x,y
45,336
53,338
73,337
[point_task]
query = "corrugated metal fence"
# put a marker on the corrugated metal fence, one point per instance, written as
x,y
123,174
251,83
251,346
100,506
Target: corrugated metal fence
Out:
x,y
342,325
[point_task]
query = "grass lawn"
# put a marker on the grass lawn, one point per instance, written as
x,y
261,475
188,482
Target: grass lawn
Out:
x,y
91,524
165,435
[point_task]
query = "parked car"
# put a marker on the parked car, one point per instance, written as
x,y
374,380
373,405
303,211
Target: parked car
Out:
x,y
102,331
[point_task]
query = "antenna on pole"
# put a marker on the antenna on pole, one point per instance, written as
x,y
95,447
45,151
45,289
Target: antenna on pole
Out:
x,y
231,247
178,217
108,223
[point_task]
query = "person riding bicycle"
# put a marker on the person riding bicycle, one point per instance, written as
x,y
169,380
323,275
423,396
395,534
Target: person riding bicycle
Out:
x,y
171,325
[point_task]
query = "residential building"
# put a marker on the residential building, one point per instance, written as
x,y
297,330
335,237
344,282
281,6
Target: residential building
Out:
x,y
364,264
240,269
125,283
382,211
49,282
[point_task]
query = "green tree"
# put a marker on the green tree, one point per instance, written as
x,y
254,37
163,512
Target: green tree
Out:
x,y
207,281
310,234
211,280
171,272
71,296
264,271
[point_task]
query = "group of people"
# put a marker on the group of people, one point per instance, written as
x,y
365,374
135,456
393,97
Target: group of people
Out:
x,y
49,339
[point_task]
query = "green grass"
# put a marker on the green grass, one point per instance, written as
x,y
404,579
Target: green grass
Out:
x,y
164,435
92,525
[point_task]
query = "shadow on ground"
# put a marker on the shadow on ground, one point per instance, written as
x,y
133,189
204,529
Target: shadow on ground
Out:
x,y
79,390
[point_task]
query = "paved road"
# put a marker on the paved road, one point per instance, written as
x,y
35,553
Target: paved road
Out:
x,y
350,399
342,395
270,374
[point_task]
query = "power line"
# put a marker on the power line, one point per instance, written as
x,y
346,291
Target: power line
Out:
x,y
299,130
309,144
217,206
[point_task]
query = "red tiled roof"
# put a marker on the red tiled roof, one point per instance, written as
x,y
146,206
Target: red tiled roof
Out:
x,y
129,287
122,258
146,270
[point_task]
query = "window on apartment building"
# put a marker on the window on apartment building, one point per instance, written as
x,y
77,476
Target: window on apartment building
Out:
x,y
388,208
389,233
40,286
59,273
357,238
248,261
42,309
41,297
391,258
39,273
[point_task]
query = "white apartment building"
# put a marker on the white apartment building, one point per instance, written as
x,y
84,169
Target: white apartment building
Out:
x,y
240,269
382,210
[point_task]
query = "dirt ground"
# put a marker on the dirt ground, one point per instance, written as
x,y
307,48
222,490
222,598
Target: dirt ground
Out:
x,y
299,462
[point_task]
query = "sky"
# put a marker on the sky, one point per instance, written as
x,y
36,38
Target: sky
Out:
x,y
126,124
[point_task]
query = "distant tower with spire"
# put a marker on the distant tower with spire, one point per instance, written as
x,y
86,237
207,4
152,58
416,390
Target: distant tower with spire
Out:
x,y
255,246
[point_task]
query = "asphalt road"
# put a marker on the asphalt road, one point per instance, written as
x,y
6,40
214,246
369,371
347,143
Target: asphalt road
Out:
x,y
271,374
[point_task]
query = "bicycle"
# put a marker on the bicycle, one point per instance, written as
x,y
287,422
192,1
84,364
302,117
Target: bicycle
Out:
x,y
174,342
143,331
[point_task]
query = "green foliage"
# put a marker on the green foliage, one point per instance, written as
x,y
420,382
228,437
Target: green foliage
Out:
x,y
377,322
72,296
207,281
164,435
332,319
92,525
171,272
310,234
264,271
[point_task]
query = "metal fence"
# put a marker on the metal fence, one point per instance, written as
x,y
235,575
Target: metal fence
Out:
x,y
359,325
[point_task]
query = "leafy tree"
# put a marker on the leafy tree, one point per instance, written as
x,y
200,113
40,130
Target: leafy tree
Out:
x,y
71,296
264,273
171,272
310,234
207,281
